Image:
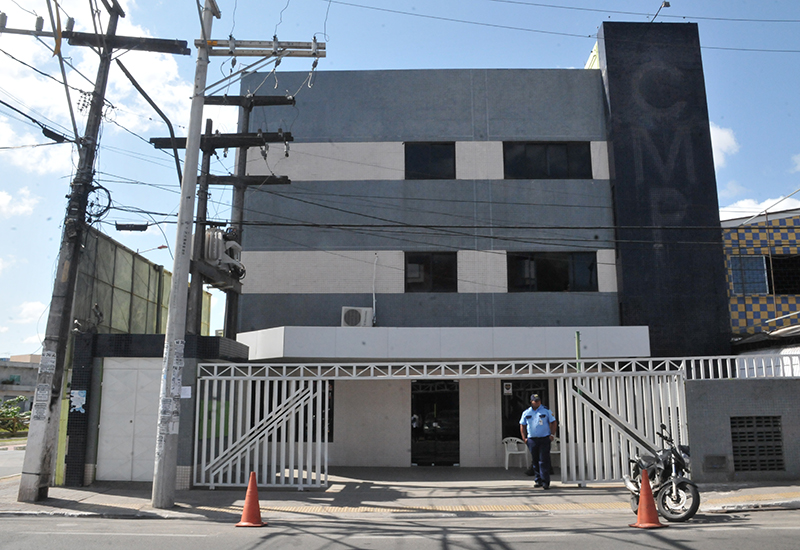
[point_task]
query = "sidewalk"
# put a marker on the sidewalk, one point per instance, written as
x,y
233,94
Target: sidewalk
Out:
x,y
398,492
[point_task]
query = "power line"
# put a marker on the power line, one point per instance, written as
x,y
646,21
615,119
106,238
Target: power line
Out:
x,y
463,21
556,33
663,15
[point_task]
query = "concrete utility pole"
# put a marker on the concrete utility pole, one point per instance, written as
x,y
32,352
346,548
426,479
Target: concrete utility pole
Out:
x,y
200,270
166,462
40,451
39,462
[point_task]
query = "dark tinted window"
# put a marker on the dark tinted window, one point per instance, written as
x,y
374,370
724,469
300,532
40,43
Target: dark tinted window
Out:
x,y
431,272
552,272
785,274
431,161
534,161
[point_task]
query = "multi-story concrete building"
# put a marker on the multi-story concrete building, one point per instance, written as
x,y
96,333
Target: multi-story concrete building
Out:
x,y
481,215
763,276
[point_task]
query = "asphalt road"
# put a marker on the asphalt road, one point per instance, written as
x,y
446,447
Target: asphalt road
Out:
x,y
775,530
11,462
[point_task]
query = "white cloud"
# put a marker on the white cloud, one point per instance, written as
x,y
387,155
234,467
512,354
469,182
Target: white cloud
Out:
x,y
732,189
796,161
3,329
29,312
21,205
723,143
749,207
35,339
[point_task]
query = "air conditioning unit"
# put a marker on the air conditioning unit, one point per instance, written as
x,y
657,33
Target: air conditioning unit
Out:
x,y
356,316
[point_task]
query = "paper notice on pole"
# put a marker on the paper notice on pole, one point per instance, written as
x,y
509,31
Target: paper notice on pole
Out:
x,y
48,362
42,394
39,411
186,392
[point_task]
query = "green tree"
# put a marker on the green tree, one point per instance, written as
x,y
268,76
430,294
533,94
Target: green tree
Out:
x,y
12,419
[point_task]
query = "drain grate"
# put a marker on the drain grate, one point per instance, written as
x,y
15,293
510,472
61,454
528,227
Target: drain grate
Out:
x,y
757,443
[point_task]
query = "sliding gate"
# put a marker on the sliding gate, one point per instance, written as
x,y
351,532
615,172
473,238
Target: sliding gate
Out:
x,y
248,422
607,418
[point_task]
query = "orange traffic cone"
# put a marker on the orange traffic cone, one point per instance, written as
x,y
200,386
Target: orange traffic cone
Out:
x,y
251,515
647,516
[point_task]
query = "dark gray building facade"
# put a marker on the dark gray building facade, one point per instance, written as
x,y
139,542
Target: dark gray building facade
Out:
x,y
495,198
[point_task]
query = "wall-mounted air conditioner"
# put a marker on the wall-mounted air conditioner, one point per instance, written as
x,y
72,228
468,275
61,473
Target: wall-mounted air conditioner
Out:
x,y
356,316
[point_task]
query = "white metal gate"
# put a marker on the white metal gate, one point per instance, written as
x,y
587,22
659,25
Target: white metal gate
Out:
x,y
606,419
247,421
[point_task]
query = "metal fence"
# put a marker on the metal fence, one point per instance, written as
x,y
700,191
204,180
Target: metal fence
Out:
x,y
246,422
273,418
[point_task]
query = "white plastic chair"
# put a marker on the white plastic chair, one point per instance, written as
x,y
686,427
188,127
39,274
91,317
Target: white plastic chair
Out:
x,y
515,446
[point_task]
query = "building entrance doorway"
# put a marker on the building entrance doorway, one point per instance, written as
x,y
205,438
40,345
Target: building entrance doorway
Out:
x,y
434,423
518,399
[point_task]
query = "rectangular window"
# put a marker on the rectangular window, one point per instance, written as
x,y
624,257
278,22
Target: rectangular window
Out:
x,y
552,272
785,274
431,272
749,275
540,160
431,161
764,275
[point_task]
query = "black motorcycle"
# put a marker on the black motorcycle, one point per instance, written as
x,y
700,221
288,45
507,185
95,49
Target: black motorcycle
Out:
x,y
677,497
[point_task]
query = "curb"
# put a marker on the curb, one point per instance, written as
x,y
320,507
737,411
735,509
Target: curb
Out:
x,y
410,512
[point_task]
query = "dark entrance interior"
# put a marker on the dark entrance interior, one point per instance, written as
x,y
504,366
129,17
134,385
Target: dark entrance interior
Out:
x,y
519,400
434,423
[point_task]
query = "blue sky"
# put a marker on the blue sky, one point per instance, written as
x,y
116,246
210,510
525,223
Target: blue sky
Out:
x,y
750,56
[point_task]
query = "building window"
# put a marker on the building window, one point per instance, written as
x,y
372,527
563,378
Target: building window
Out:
x,y
552,272
765,275
785,274
547,161
431,161
431,272
749,275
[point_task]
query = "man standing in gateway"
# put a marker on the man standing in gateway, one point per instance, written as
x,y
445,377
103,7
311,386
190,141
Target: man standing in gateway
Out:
x,y
538,429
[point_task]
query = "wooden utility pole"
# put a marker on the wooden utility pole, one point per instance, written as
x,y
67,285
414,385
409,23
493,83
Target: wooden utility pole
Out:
x,y
39,463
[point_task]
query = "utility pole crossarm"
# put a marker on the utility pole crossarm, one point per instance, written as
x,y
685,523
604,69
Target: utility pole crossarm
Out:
x,y
160,45
221,141
262,48
249,101
247,181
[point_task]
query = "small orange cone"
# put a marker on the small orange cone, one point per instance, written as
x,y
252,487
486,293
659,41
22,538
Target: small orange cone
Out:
x,y
251,515
647,516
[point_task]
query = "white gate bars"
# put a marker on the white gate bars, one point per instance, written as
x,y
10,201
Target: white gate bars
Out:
x,y
606,420
247,422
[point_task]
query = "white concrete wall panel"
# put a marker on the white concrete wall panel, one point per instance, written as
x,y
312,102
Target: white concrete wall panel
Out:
x,y
606,270
372,425
448,343
324,272
480,426
333,161
482,271
600,169
479,160
519,342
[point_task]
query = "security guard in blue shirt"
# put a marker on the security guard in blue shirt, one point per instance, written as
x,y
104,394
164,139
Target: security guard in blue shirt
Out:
x,y
538,429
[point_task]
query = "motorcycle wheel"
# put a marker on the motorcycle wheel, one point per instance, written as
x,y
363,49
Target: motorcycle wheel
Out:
x,y
681,508
635,503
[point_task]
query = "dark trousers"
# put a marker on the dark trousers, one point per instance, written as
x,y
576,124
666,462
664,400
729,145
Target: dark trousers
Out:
x,y
540,454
